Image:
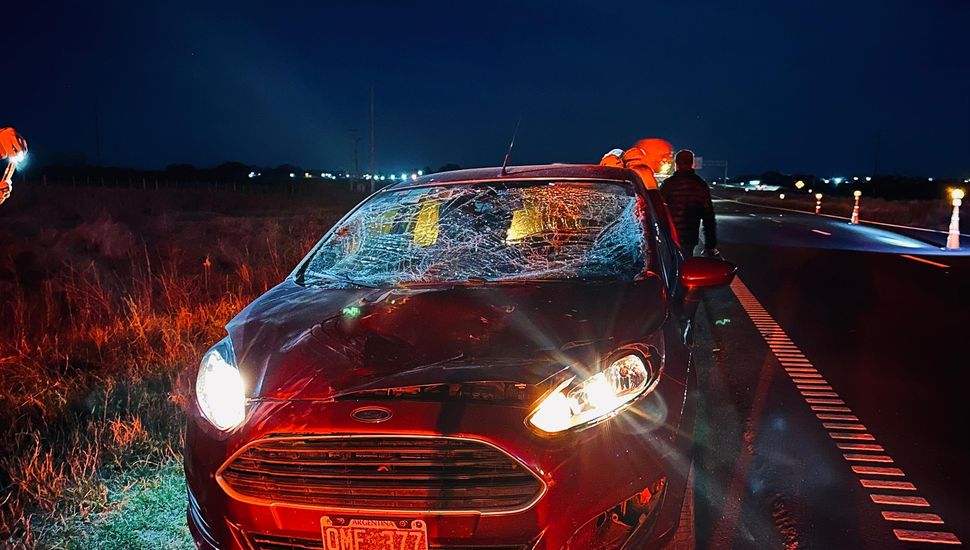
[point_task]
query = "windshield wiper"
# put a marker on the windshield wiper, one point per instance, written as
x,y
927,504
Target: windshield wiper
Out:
x,y
342,279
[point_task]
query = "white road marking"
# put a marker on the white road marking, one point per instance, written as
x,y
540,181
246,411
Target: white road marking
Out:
x,y
856,457
915,517
827,234
860,447
937,537
887,484
844,417
878,471
845,429
898,500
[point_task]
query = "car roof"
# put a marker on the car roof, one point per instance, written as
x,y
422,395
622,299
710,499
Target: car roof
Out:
x,y
541,171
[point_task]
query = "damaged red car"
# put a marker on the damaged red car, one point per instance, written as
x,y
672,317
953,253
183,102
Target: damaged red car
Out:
x,y
481,359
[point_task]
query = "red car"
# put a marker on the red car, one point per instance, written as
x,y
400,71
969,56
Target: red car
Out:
x,y
481,359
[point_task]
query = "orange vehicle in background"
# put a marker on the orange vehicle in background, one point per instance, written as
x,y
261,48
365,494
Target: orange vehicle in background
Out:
x,y
658,154
649,158
13,148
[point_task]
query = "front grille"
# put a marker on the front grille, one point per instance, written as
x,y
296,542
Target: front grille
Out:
x,y
420,474
272,542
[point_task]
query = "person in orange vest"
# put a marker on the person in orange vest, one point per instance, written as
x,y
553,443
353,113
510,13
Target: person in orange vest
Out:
x,y
12,149
635,159
613,158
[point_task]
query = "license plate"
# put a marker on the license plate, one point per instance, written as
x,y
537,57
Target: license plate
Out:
x,y
345,533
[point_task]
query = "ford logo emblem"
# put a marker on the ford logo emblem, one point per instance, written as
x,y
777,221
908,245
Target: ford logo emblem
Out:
x,y
371,415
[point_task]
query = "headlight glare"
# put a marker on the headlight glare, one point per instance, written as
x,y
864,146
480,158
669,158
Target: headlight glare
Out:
x,y
599,396
220,389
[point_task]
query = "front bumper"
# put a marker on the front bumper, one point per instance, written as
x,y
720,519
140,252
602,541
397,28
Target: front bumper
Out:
x,y
587,474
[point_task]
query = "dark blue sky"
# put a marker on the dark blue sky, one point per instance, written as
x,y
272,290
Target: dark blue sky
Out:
x,y
796,86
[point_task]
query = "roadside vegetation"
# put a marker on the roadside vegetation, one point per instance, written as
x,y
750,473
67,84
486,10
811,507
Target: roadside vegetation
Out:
x,y
109,298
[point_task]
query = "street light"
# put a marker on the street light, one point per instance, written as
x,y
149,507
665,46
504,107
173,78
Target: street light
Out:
x,y
781,196
855,209
818,202
799,184
953,236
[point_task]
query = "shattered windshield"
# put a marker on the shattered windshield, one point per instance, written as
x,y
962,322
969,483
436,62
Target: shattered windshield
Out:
x,y
480,233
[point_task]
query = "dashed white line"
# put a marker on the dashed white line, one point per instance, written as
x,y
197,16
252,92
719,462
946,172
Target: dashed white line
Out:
x,y
909,535
887,484
915,517
878,471
856,457
822,232
860,447
844,427
898,500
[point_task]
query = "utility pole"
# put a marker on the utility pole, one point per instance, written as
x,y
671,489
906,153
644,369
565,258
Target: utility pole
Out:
x,y
356,139
97,133
373,145
875,159
717,163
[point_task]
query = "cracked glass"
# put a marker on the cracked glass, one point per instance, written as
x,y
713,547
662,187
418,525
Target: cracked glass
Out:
x,y
487,232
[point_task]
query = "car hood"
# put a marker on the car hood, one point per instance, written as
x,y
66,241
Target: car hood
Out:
x,y
298,342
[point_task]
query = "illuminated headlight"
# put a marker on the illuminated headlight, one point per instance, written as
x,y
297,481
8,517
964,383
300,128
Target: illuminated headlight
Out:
x,y
576,403
220,389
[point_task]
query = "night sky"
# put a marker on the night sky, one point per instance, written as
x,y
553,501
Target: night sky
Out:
x,y
793,86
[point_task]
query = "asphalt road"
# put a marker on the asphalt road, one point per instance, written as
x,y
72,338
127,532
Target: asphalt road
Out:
x,y
836,402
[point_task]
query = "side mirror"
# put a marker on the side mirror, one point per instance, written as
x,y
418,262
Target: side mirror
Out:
x,y
700,272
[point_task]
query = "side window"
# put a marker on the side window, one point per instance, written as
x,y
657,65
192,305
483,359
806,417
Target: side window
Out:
x,y
667,251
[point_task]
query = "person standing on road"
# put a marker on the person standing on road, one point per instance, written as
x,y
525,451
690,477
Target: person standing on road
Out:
x,y
689,200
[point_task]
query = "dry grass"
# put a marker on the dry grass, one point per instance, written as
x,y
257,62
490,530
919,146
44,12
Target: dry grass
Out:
x,y
109,299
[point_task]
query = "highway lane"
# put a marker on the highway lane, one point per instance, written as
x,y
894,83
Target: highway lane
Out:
x,y
881,320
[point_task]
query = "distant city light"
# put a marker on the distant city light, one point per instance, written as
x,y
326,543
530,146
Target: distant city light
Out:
x,y
292,175
420,172
929,179
252,174
393,177
855,178
837,181
781,196
857,194
754,182
414,177
868,178
825,180
404,177
818,196
799,184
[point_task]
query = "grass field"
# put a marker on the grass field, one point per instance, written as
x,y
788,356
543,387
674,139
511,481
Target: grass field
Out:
x,y
110,296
